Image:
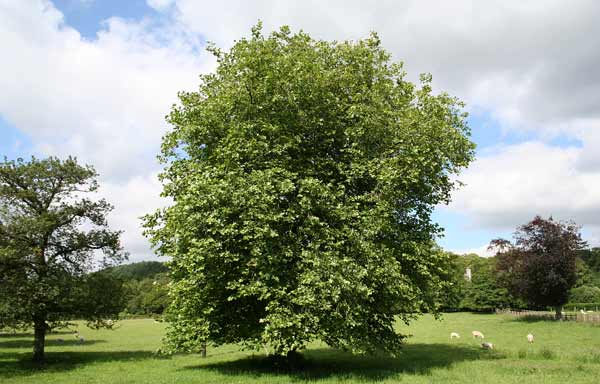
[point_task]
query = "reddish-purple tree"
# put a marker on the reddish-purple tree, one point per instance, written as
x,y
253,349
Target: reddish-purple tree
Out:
x,y
540,266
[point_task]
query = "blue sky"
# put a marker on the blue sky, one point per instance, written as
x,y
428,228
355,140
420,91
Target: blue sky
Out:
x,y
87,17
533,104
14,142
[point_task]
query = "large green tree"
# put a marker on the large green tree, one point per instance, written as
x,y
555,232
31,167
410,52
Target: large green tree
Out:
x,y
303,174
51,237
541,265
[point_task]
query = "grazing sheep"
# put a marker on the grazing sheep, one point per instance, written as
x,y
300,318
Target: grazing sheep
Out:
x,y
60,340
477,334
582,311
487,345
530,338
454,335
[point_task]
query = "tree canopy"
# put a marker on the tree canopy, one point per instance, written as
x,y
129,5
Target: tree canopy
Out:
x,y
145,287
483,292
52,236
138,271
303,174
541,265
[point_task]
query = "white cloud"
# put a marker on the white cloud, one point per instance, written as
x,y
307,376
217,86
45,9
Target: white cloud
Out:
x,y
507,186
160,5
529,62
102,100
132,200
482,251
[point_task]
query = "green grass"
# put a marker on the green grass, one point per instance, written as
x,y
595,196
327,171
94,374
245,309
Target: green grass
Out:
x,y
562,352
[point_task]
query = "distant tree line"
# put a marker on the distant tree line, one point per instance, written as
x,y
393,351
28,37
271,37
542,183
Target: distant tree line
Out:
x,y
145,287
485,291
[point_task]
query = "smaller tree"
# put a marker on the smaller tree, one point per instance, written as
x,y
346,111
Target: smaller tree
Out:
x,y
451,297
585,294
541,265
51,236
585,276
480,293
483,293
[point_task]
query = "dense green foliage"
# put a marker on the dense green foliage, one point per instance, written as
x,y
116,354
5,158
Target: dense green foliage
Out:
x,y
563,352
541,266
589,268
591,257
483,293
139,271
145,286
585,294
51,234
303,175
149,296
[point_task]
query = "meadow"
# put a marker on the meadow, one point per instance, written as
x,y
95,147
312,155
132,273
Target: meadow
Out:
x,y
563,352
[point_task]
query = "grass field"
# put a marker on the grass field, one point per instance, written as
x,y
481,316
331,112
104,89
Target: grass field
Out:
x,y
566,352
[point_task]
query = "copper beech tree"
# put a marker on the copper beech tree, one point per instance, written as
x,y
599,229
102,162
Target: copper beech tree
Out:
x,y
540,266
303,174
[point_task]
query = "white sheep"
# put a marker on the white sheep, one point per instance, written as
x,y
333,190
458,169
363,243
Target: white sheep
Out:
x,y
454,335
582,311
487,345
477,334
530,338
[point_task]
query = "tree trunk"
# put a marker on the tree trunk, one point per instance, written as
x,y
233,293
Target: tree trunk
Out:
x,y
558,310
39,341
39,317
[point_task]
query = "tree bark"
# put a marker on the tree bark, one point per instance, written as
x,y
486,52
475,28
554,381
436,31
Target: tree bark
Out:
x,y
558,310
39,317
39,341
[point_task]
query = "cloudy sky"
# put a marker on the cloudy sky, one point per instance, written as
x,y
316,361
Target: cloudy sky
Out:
x,y
95,78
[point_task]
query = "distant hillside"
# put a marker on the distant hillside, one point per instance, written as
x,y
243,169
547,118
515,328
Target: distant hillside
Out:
x,y
139,271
